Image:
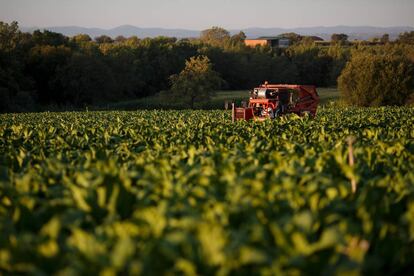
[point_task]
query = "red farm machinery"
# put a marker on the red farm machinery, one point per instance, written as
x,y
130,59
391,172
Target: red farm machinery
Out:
x,y
273,100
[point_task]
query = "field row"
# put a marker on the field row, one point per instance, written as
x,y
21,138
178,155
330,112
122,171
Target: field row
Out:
x,y
189,192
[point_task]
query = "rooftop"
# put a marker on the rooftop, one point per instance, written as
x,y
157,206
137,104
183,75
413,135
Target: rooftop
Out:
x,y
267,38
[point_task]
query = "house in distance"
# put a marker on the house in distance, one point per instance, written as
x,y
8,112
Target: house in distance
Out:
x,y
281,41
272,41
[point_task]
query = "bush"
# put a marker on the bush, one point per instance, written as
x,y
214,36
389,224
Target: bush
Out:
x,y
377,79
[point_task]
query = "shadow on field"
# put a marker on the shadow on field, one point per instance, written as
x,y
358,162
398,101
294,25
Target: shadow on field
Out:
x,y
327,96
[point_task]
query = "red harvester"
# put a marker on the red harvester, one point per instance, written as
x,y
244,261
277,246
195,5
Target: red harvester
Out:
x,y
273,100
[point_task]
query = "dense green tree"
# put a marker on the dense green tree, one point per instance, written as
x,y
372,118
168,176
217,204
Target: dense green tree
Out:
x,y
103,39
339,38
85,80
49,38
338,56
9,36
259,69
293,37
80,38
215,36
230,65
123,63
89,48
310,39
238,39
9,88
15,87
156,60
197,82
307,40
284,71
311,63
385,39
120,38
406,38
132,41
42,64
376,79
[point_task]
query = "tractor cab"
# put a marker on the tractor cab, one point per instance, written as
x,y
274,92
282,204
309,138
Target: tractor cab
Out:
x,y
269,102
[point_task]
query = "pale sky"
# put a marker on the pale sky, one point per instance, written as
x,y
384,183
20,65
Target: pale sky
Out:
x,y
198,14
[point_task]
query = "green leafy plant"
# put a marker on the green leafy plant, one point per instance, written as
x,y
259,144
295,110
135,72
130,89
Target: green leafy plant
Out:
x,y
189,192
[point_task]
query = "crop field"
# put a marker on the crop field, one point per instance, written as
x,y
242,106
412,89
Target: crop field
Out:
x,y
189,192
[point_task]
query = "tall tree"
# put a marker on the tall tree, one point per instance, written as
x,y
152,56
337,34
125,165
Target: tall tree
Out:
x,y
238,38
15,87
42,64
293,37
406,38
120,38
9,36
215,36
132,41
339,38
103,39
85,80
49,38
80,38
385,39
197,82
312,65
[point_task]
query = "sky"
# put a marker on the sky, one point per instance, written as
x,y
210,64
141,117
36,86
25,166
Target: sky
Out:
x,y
198,14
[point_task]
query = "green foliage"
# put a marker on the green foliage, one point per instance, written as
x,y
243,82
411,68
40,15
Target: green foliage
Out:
x,y
80,38
385,39
339,57
15,94
9,36
120,39
238,39
293,37
406,38
43,64
197,82
215,36
49,38
376,78
84,80
103,39
158,192
339,38
312,64
31,65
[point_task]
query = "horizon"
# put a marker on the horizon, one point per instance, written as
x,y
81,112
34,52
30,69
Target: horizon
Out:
x,y
199,15
195,29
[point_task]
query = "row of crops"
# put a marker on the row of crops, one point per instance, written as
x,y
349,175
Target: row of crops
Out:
x,y
188,192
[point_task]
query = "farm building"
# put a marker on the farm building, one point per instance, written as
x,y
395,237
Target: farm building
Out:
x,y
276,42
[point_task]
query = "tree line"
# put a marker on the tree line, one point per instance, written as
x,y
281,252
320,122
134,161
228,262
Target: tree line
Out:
x,y
44,68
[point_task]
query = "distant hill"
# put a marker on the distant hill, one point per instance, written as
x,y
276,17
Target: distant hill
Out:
x,y
124,30
354,32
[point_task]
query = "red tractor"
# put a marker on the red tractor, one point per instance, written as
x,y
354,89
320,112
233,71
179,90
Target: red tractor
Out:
x,y
273,100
